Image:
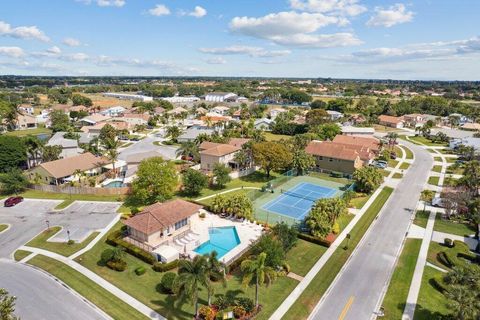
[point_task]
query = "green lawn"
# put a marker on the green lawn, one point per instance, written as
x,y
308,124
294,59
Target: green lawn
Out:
x,y
448,181
453,227
433,250
20,254
431,303
392,163
439,159
454,169
404,165
437,169
303,256
451,159
421,218
398,151
433,180
328,177
446,151
145,287
320,283
37,194
409,153
427,142
397,175
23,133
62,248
359,202
396,297
276,137
3,227
103,299
208,201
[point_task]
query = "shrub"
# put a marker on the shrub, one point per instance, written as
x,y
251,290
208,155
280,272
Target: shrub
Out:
x,y
202,215
222,302
207,313
118,265
336,228
246,303
315,240
286,267
70,242
438,283
162,267
167,282
336,174
106,255
238,312
134,210
140,270
114,239
448,242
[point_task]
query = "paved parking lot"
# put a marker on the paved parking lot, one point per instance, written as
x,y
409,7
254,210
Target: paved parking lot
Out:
x,y
29,218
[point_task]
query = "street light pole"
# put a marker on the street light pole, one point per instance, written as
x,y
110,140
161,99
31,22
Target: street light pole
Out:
x,y
48,224
68,235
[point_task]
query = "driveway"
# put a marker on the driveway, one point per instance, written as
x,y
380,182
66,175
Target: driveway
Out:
x,y
357,291
40,297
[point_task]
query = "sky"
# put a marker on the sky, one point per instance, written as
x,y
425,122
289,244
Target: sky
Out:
x,y
418,39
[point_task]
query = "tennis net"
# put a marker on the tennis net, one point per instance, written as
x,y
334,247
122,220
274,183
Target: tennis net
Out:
x,y
293,194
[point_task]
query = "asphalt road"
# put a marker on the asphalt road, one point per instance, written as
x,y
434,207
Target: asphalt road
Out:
x,y
146,145
356,292
40,297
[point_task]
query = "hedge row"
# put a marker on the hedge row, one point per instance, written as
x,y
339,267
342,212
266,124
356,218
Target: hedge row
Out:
x,y
162,267
312,239
115,239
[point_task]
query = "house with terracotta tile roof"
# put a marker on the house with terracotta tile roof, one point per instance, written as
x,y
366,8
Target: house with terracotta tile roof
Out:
x,y
212,153
390,121
159,225
370,143
25,121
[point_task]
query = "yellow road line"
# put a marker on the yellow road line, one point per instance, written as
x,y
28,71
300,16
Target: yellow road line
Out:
x,y
346,308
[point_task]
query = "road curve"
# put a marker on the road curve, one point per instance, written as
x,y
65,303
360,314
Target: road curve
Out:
x,y
357,290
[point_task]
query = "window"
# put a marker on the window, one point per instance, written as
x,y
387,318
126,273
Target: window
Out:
x,y
180,224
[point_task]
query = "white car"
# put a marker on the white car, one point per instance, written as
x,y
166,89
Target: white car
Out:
x,y
437,202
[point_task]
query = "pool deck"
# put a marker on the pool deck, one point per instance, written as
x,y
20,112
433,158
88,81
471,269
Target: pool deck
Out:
x,y
247,232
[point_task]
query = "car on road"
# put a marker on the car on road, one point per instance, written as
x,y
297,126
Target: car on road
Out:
x,y
12,201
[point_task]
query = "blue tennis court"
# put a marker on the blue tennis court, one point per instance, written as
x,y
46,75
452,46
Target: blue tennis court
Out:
x,y
297,201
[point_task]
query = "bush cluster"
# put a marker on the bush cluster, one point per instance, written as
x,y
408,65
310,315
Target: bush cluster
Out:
x,y
118,265
140,270
167,282
162,267
115,239
312,239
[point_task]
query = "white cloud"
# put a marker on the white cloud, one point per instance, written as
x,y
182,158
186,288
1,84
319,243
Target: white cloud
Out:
x,y
13,52
159,10
340,7
105,3
294,29
246,50
75,57
54,50
71,42
22,32
216,60
198,12
395,14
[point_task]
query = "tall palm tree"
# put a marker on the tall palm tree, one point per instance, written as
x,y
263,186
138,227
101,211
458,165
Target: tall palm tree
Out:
x,y
173,132
189,149
463,302
215,269
110,147
34,148
11,117
192,275
392,139
201,138
256,271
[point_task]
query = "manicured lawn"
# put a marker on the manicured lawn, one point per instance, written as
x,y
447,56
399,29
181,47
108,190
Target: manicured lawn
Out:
x,y
3,227
433,251
64,204
276,137
397,175
392,163
384,172
145,287
396,297
404,165
454,169
453,227
303,256
425,141
433,180
343,220
37,194
437,169
398,151
23,133
409,153
320,283
210,200
451,159
446,151
421,218
103,299
359,202
327,177
431,303
439,159
448,181
62,248
20,254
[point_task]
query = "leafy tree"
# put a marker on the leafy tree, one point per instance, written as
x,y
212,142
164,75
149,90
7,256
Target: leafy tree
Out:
x,y
323,215
51,153
193,181
302,161
60,121
108,132
273,248
317,117
191,276
271,155
221,174
7,306
426,196
287,235
367,179
13,152
466,152
238,205
75,115
471,177
326,131
78,100
318,104
257,272
13,181
156,180
173,132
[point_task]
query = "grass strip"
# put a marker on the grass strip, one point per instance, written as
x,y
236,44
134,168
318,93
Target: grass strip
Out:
x,y
20,254
320,283
102,298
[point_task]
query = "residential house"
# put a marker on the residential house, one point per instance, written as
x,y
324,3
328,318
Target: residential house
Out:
x,y
263,124
192,133
213,119
358,131
221,110
113,111
357,118
159,110
25,121
64,170
415,120
333,157
224,153
390,121
274,112
94,119
334,115
221,97
372,144
177,111
471,126
134,119
160,225
200,111
127,96
117,125
26,109
70,147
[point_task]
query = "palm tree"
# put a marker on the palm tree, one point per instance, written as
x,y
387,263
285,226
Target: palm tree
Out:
x,y
392,138
192,275
242,158
201,138
34,149
11,117
256,271
173,132
110,147
189,149
463,302
215,270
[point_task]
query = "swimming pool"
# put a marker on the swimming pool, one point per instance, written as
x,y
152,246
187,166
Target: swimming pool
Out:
x,y
222,240
113,184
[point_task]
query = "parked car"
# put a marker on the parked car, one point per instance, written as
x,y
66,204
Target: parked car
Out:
x,y
12,201
438,202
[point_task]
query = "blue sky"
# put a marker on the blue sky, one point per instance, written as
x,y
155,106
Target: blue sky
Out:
x,y
423,39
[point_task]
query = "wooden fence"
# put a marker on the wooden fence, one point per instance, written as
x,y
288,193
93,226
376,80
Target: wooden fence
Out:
x,y
81,190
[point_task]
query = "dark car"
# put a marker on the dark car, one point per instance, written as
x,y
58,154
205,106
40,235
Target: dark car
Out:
x,y
10,202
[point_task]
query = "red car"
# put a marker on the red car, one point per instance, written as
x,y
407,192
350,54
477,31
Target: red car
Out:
x,y
10,202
